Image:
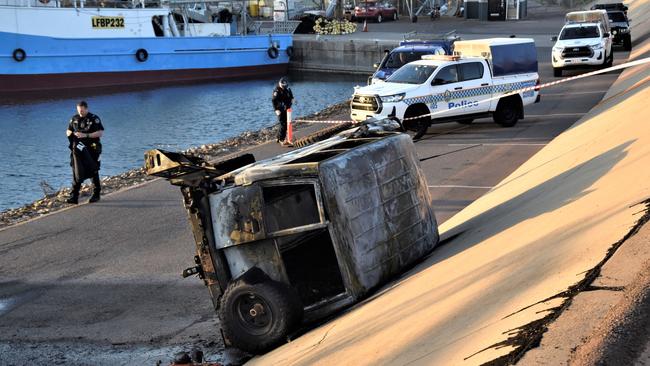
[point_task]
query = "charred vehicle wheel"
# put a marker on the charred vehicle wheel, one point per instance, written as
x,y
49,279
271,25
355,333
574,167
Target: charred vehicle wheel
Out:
x,y
321,135
258,317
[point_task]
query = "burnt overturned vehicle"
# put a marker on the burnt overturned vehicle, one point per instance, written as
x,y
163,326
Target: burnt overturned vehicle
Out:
x,y
294,238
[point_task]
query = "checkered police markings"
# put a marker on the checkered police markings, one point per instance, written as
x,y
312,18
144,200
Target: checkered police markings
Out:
x,y
545,85
506,89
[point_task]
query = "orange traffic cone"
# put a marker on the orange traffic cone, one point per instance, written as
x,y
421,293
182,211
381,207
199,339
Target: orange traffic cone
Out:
x,y
365,25
289,128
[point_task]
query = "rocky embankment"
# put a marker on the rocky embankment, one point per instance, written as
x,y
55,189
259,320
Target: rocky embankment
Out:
x,y
57,200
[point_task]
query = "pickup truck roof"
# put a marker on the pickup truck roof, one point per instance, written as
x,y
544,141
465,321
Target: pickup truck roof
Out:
x,y
506,56
441,62
498,41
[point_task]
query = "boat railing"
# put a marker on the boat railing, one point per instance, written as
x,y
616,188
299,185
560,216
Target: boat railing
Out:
x,y
121,4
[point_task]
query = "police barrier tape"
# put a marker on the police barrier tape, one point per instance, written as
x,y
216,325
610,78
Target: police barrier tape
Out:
x,y
335,122
517,91
541,86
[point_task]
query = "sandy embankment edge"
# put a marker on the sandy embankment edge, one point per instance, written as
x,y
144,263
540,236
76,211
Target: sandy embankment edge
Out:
x,y
609,323
515,258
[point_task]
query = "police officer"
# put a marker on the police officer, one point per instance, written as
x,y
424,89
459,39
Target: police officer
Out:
x,y
86,128
282,100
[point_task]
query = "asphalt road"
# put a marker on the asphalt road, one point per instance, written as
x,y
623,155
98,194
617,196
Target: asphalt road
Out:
x,y
100,284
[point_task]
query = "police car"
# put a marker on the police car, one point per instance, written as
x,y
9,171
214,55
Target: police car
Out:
x,y
477,81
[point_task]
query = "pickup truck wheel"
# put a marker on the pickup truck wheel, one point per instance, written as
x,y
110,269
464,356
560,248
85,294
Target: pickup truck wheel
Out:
x,y
557,72
627,43
321,135
507,112
610,60
466,121
379,18
257,317
419,125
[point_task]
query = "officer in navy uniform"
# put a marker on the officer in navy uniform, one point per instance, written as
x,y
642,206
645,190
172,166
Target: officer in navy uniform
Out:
x,y
282,100
86,128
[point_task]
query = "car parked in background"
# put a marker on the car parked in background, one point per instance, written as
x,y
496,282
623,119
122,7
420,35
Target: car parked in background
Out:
x,y
620,26
348,11
584,41
610,7
409,51
375,10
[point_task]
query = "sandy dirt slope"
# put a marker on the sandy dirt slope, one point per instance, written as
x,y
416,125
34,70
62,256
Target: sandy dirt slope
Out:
x,y
529,239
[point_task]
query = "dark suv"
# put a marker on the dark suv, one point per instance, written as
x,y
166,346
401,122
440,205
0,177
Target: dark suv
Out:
x,y
610,7
620,27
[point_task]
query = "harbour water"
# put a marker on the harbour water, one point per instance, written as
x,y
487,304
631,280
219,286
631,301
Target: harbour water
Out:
x,y
34,148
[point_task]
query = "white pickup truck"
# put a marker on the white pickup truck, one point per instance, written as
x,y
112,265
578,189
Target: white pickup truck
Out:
x,y
456,88
585,40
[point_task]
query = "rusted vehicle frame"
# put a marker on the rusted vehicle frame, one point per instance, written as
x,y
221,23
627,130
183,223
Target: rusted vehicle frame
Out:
x,y
324,224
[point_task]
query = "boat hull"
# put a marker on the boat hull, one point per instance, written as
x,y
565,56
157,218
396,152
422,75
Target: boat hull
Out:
x,y
69,63
31,83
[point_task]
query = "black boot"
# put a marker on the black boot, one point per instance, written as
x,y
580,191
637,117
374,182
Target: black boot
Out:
x,y
94,197
73,199
97,187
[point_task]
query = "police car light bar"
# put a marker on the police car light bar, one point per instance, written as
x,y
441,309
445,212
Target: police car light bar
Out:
x,y
441,57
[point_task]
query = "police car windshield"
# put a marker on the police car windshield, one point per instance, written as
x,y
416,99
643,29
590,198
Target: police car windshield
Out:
x,y
579,32
398,59
412,74
616,17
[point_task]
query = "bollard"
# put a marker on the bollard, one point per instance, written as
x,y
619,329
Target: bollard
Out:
x,y
289,128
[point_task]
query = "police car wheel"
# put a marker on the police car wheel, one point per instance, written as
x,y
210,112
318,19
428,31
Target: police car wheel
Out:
x,y
258,317
507,113
19,55
557,72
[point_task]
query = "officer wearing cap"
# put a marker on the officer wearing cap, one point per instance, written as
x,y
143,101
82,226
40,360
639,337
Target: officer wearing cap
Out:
x,y
282,100
86,128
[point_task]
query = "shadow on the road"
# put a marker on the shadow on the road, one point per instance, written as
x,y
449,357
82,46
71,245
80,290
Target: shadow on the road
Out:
x,y
73,308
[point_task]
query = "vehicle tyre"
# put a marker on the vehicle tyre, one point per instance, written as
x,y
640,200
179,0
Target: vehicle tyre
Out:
x,y
19,55
273,52
379,18
557,72
610,60
507,112
466,121
419,125
627,43
395,16
290,51
257,317
321,135
141,55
